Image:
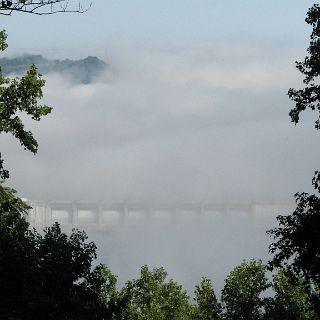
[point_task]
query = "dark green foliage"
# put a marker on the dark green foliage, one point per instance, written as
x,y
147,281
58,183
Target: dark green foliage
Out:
x,y
297,239
3,40
309,96
296,243
62,262
241,295
208,307
45,275
152,297
291,300
81,71
4,174
17,251
102,284
20,97
49,275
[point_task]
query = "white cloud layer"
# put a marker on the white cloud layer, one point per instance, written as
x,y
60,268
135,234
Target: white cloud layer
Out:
x,y
167,125
174,124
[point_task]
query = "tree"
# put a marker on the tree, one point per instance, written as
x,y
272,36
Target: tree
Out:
x,y
208,307
297,239
296,243
16,255
298,236
152,297
309,96
241,294
49,275
102,283
291,300
20,96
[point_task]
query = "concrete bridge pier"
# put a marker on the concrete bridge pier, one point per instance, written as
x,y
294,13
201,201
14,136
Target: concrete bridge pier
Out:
x,y
47,218
74,215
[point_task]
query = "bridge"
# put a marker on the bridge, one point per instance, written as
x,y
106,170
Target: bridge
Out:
x,y
109,215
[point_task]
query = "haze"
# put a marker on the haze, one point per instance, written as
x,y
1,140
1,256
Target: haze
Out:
x,y
193,108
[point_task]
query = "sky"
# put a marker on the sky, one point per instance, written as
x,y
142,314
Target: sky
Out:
x,y
193,108
275,23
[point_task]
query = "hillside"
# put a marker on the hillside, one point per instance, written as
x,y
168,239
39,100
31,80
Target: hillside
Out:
x,y
81,71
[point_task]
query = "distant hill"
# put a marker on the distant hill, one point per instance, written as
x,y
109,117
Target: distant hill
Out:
x,y
81,71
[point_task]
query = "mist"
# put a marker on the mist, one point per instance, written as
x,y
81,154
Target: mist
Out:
x,y
188,249
174,124
203,124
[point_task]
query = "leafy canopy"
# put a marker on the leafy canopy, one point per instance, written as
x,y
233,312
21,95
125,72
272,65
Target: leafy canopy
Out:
x,y
48,275
20,97
297,239
153,297
309,96
296,242
208,307
291,300
241,295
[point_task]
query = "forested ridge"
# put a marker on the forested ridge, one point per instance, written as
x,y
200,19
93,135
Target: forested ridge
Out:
x,y
81,71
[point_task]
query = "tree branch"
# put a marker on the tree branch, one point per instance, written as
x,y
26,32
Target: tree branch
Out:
x,y
41,7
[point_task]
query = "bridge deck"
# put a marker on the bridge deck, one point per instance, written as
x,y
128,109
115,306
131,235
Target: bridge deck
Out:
x,y
104,215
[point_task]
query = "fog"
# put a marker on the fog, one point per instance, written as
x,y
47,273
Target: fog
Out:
x,y
189,249
174,124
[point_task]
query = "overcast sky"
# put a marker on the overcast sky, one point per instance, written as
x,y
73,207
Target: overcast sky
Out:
x,y
193,106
